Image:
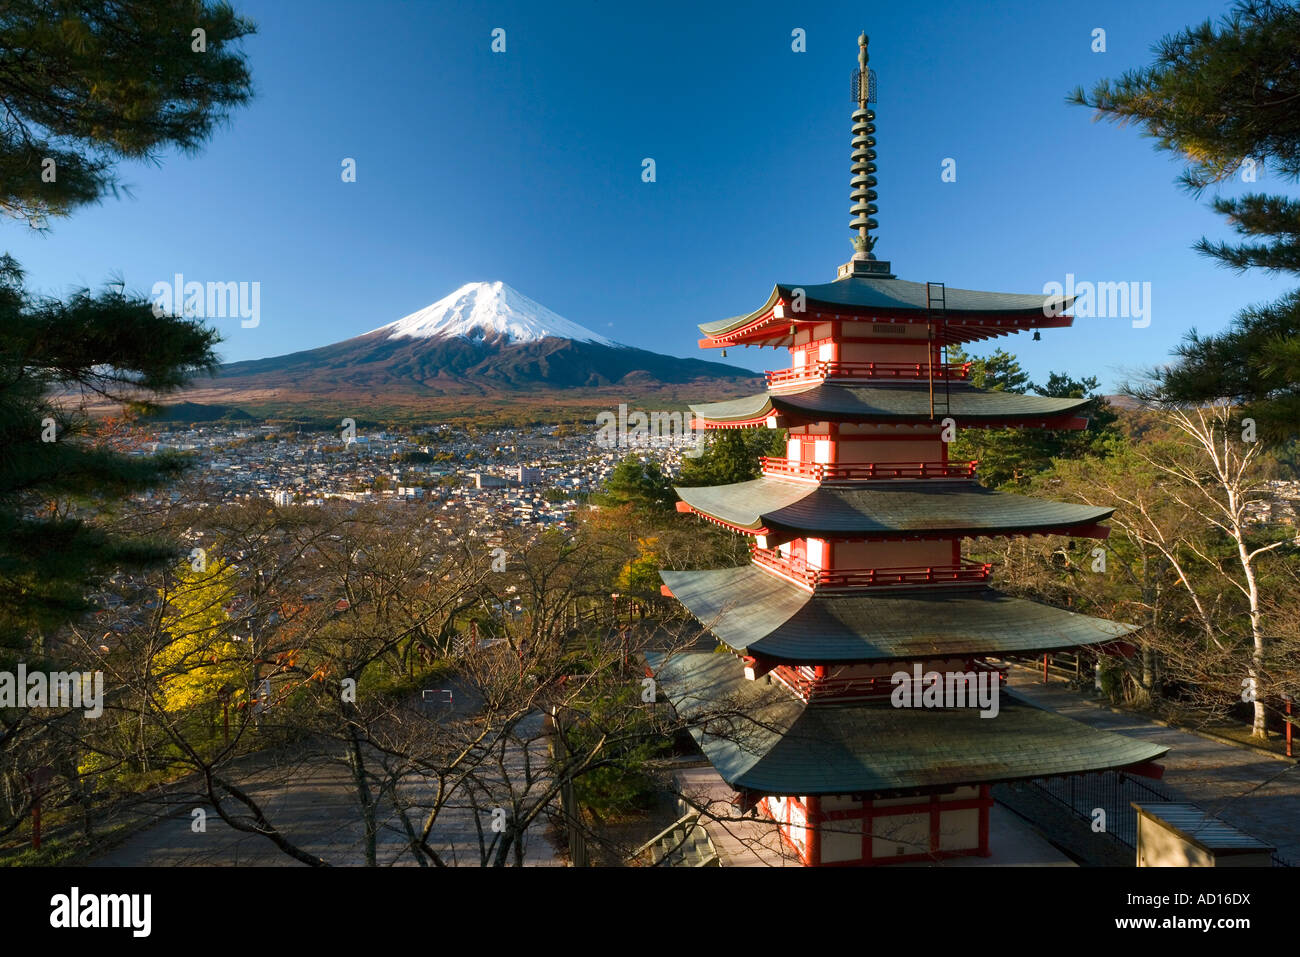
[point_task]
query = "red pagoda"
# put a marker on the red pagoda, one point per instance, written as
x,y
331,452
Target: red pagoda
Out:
x,y
857,575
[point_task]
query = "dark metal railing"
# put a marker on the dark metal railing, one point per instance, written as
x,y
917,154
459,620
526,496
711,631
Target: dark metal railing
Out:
x,y
1112,791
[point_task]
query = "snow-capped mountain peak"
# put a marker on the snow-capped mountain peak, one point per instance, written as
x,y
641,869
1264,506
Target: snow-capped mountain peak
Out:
x,y
489,311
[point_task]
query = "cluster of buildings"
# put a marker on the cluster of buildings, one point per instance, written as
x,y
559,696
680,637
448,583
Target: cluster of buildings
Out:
x,y
1280,508
524,477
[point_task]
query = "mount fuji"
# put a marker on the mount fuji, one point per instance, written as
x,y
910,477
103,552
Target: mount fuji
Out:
x,y
484,346
489,312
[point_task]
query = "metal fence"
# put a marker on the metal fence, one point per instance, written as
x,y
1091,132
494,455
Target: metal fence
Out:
x,y
1110,791
1113,792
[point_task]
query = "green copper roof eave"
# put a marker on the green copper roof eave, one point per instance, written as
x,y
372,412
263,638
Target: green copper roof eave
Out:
x,y
901,506
731,322
720,326
762,739
898,295
757,613
888,404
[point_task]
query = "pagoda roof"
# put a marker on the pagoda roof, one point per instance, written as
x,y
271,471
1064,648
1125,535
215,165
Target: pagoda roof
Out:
x,y
967,315
896,403
901,508
757,613
763,739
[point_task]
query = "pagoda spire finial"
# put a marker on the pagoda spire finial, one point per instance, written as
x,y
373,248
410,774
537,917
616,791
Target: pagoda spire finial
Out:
x,y
863,182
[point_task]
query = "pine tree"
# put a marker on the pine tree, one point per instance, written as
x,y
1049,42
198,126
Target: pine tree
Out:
x,y
87,84
732,455
640,484
1228,101
1010,457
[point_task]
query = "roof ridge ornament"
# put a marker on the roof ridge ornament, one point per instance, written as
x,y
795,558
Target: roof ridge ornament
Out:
x,y
863,182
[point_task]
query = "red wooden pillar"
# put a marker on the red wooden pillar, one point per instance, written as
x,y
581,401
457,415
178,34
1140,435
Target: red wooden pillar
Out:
x,y
936,813
1045,659
812,831
1288,726
986,806
38,783
868,825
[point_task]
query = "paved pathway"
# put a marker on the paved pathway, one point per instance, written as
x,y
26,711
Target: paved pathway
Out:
x,y
312,801
1256,793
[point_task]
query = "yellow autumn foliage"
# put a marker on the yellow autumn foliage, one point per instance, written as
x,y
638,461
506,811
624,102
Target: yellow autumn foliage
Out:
x,y
201,658
641,574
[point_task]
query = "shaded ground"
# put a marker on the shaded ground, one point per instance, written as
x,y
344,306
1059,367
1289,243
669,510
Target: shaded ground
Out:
x,y
1249,790
310,798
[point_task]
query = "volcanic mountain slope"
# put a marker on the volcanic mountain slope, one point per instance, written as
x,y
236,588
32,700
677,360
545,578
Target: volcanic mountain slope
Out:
x,y
485,339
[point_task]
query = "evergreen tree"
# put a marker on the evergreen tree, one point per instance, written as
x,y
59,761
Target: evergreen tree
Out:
x,y
1012,456
1228,100
55,479
1000,371
732,455
1103,431
642,485
86,84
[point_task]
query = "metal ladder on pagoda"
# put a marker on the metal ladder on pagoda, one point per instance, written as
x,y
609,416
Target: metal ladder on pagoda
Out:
x,y
936,306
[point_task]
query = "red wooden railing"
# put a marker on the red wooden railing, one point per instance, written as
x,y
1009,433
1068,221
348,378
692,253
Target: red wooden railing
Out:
x,y
775,466
966,572
803,681
825,369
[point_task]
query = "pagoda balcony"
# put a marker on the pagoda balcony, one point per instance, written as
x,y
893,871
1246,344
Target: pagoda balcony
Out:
x,y
854,471
798,571
820,370
803,681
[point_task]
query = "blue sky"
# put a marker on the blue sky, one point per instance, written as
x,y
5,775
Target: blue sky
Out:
x,y
525,166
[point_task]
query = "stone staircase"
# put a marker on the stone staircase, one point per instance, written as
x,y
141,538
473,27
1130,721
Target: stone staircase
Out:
x,y
684,843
